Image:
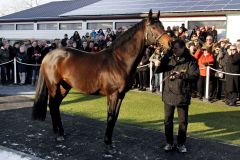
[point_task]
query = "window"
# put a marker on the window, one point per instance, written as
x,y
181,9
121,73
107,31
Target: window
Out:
x,y
220,24
124,24
70,26
99,25
47,26
25,27
7,27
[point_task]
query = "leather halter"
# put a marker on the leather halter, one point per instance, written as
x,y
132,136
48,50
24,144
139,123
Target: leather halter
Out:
x,y
149,31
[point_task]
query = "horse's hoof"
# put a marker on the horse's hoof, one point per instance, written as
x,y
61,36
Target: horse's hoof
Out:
x,y
110,149
107,141
60,138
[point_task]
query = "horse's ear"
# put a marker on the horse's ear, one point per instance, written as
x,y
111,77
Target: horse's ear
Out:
x,y
150,15
158,15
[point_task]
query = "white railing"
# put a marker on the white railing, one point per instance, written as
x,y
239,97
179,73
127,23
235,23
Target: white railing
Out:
x,y
208,79
15,61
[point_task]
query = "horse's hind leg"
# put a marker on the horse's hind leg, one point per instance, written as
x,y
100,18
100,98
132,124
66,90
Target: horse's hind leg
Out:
x,y
54,105
114,104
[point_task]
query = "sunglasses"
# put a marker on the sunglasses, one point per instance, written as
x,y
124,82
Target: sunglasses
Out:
x,y
233,49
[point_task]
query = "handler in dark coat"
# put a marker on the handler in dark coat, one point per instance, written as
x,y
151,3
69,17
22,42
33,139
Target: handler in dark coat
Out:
x,y
231,64
180,71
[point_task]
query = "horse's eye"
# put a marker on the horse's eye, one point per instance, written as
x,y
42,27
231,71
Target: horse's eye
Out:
x,y
153,27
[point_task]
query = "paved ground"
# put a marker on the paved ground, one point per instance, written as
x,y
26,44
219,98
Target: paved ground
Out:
x,y
84,138
10,154
26,90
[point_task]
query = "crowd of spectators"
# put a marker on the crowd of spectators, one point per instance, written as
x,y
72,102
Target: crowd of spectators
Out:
x,y
27,52
202,43
30,53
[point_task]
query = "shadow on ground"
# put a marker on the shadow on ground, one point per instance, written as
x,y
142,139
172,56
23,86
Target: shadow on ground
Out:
x,y
227,128
84,140
222,128
81,98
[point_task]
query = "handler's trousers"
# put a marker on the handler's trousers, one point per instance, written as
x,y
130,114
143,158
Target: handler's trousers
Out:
x,y
182,121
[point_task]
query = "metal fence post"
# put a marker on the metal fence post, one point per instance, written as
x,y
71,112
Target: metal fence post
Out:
x,y
15,70
207,84
161,83
151,73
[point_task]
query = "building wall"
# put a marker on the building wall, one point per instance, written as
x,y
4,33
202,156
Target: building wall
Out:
x,y
233,31
52,34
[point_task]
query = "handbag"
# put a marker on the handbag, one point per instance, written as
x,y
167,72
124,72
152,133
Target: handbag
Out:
x,y
219,74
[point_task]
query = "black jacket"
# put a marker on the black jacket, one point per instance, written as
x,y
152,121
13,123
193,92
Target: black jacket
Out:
x,y
32,59
232,65
4,55
178,91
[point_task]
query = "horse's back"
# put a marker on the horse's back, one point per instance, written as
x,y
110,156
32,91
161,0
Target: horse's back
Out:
x,y
81,70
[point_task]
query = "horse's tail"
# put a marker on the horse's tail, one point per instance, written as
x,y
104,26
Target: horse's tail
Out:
x,y
40,104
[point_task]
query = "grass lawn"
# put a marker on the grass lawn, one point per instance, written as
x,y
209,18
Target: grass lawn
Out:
x,y
206,120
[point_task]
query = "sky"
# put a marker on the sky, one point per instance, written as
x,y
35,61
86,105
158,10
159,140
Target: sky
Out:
x,y
11,6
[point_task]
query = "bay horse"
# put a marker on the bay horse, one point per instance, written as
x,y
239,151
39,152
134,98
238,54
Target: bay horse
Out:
x,y
107,73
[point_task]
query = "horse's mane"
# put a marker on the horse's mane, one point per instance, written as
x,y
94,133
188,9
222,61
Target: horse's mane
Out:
x,y
124,37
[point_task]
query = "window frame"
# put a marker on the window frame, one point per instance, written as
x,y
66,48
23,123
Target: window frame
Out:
x,y
97,27
62,23
46,28
25,24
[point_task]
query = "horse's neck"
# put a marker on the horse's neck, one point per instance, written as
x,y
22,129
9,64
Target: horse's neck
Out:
x,y
130,51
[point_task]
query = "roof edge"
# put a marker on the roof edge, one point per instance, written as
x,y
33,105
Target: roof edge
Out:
x,y
124,16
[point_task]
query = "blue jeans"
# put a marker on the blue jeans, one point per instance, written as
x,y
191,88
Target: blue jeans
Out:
x,y
157,80
35,73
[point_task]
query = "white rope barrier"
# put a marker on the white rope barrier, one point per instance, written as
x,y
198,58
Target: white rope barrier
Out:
x,y
28,64
208,78
6,62
23,63
143,66
233,74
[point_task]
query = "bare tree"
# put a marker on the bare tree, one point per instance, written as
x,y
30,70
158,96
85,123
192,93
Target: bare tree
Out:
x,y
19,5
31,3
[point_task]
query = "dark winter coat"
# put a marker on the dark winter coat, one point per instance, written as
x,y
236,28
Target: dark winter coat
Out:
x,y
31,52
145,61
21,57
232,65
178,91
4,55
76,38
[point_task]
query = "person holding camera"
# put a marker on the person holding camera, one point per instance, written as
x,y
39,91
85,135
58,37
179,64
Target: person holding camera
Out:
x,y
204,58
180,70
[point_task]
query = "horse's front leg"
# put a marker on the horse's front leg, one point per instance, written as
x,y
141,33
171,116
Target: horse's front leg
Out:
x,y
114,104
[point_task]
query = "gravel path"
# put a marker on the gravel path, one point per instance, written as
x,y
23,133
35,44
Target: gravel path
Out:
x,y
84,138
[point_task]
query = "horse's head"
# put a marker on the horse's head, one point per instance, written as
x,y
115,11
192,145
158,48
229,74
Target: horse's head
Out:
x,y
155,33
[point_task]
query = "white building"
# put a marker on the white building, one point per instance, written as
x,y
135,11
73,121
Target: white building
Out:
x,y
53,20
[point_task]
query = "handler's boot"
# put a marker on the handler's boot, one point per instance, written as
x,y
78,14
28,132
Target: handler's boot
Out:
x,y
168,147
182,148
